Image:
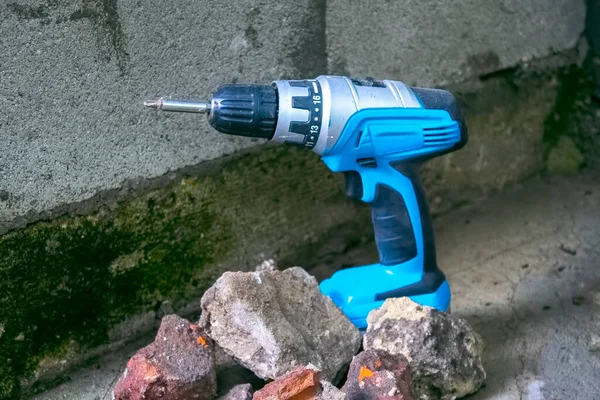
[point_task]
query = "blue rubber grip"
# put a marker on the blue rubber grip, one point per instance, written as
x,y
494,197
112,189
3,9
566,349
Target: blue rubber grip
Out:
x,y
394,234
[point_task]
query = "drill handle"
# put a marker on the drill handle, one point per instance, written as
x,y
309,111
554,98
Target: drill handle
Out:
x,y
401,222
392,225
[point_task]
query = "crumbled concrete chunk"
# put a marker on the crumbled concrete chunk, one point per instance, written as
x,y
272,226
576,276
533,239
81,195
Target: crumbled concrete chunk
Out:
x,y
273,321
443,351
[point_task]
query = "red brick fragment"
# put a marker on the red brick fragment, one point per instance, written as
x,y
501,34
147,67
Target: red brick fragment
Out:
x,y
299,384
378,375
177,365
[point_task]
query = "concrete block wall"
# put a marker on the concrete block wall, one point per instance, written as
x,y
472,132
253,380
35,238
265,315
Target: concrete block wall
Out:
x,y
111,215
75,73
442,42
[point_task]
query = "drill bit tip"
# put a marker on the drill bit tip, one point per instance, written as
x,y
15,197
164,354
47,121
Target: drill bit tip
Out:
x,y
153,103
192,106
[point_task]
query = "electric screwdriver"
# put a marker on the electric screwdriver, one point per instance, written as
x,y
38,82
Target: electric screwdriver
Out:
x,y
378,133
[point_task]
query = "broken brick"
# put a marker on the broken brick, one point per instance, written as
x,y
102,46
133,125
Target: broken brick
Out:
x,y
179,364
301,383
378,375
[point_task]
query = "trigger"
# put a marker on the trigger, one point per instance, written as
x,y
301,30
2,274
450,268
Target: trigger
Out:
x,y
354,188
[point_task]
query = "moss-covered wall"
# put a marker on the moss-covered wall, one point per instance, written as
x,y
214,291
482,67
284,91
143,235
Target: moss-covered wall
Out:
x,y
77,282
572,128
65,283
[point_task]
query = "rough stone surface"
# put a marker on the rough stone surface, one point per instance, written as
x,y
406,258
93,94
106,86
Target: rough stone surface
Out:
x,y
272,321
442,42
443,351
238,392
378,375
178,365
75,73
302,383
330,392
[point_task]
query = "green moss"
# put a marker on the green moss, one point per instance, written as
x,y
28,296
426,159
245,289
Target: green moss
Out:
x,y
565,158
72,279
8,383
562,129
571,86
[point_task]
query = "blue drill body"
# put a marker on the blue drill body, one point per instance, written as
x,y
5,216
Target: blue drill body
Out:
x,y
377,133
393,140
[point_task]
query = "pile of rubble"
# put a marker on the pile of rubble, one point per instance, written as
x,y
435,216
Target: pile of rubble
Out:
x,y
272,335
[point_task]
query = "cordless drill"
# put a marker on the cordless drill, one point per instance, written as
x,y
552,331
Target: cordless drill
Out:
x,y
378,133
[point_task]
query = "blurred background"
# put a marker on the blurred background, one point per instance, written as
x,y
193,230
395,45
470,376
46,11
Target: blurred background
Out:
x,y
112,216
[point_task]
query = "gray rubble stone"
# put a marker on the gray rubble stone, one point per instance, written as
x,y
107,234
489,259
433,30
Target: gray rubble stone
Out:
x,y
330,392
238,392
274,321
443,351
